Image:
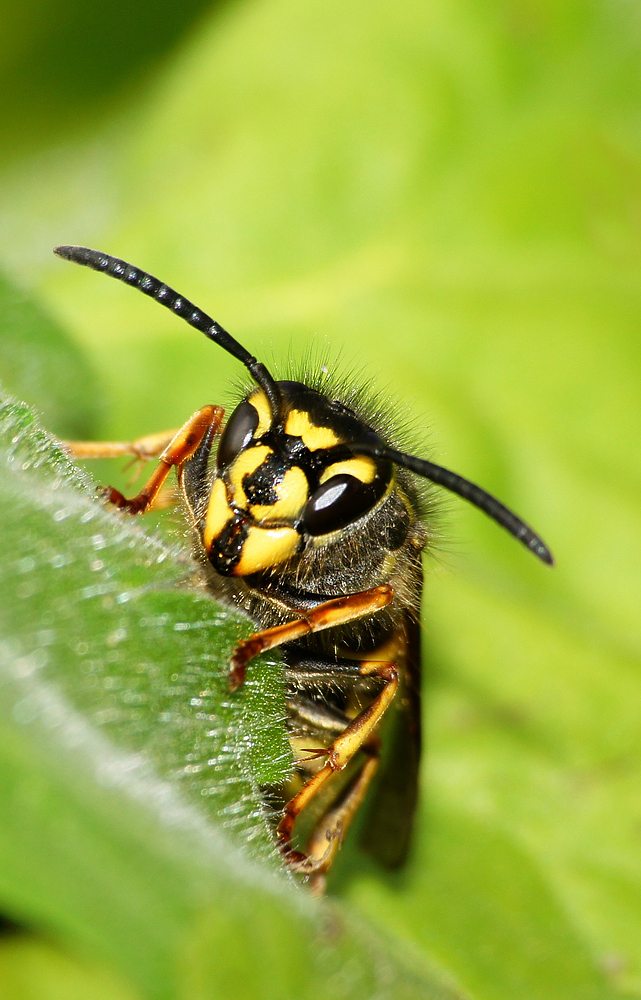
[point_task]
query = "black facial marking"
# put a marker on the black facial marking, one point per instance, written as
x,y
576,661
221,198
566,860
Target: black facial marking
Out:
x,y
228,547
259,486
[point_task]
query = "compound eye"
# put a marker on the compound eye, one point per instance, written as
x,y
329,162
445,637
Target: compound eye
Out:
x,y
339,502
238,433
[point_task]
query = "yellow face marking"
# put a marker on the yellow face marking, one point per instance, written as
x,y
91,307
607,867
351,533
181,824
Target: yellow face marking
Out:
x,y
292,496
246,463
265,548
299,425
361,468
218,513
258,400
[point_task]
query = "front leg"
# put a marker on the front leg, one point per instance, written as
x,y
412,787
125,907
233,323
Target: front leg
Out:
x,y
329,614
142,449
175,452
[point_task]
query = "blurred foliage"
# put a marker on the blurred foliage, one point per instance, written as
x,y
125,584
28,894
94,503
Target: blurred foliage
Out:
x,y
451,192
66,64
41,362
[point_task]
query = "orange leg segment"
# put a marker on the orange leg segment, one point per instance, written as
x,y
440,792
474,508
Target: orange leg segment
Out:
x,y
354,738
326,615
142,448
173,452
327,836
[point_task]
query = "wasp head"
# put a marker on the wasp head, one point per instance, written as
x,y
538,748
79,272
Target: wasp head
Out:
x,y
281,486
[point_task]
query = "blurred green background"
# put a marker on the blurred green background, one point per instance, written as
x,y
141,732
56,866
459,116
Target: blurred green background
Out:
x,y
447,196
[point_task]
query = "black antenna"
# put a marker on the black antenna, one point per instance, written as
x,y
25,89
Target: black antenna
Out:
x,y
151,286
469,491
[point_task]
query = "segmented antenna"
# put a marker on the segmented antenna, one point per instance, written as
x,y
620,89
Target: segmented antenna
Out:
x,y
469,491
167,297
162,293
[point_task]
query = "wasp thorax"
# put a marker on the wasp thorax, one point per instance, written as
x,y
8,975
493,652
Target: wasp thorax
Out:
x,y
280,487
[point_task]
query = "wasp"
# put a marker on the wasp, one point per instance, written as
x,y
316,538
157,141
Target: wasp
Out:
x,y
306,518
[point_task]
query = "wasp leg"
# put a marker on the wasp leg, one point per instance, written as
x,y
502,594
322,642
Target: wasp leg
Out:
x,y
142,448
355,737
181,447
328,834
139,451
326,615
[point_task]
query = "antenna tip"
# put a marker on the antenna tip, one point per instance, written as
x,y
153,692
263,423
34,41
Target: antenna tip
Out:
x,y
541,550
94,259
80,255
